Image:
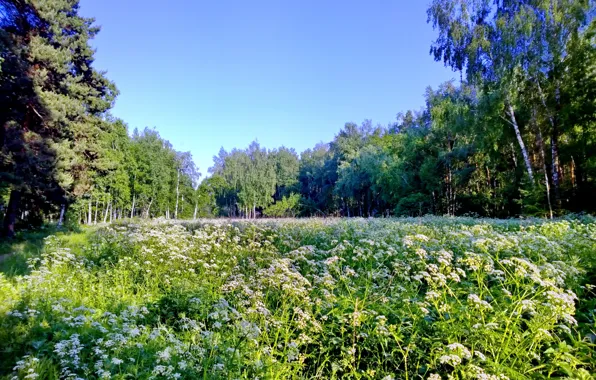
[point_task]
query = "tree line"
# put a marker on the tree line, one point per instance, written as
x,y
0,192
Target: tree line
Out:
x,y
514,135
62,155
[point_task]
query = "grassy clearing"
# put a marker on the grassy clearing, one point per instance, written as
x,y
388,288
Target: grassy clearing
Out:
x,y
14,253
429,298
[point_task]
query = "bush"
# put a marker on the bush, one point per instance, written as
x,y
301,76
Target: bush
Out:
x,y
286,207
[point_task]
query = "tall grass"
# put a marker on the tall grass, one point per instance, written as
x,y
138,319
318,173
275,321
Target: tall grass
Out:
x,y
429,298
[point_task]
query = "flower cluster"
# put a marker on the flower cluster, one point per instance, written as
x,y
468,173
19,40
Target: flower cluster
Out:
x,y
431,298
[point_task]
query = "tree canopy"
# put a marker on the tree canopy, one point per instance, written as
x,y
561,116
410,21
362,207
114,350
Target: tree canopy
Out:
x,y
60,148
514,137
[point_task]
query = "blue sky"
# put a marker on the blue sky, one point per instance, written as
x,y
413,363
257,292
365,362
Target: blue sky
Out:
x,y
208,74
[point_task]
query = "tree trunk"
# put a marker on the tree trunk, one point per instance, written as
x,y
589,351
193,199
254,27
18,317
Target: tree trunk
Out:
x,y
148,209
96,210
89,220
573,174
177,195
544,168
10,217
132,210
105,214
194,216
554,144
62,211
522,146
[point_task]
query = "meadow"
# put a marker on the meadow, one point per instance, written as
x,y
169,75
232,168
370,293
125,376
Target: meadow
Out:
x,y
425,298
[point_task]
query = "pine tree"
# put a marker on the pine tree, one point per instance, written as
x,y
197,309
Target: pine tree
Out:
x,y
52,127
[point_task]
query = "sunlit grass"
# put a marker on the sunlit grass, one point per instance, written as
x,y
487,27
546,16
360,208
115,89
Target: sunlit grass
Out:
x,y
399,298
14,253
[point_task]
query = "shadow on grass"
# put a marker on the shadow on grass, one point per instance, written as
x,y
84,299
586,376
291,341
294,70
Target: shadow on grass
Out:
x,y
15,252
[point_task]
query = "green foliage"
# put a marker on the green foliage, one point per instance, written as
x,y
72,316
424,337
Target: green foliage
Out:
x,y
288,206
525,55
61,150
317,177
415,204
431,298
253,177
287,166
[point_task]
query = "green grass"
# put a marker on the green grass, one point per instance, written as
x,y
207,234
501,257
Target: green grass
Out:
x,y
14,253
427,298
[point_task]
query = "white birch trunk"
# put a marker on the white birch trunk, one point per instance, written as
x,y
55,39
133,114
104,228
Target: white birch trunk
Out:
x,y
546,180
554,144
105,214
148,209
96,210
132,210
89,220
521,142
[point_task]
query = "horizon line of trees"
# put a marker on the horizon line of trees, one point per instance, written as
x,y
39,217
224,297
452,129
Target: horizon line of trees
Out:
x,y
516,135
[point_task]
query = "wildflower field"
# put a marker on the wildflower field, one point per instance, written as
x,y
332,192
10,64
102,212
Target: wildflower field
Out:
x,y
428,298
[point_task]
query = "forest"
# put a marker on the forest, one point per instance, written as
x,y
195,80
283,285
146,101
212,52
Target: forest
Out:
x,y
514,135
458,242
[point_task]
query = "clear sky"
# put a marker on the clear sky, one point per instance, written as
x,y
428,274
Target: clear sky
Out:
x,y
213,73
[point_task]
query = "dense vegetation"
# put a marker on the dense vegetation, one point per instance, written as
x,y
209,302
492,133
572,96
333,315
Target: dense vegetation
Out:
x,y
516,135
417,298
430,298
61,151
